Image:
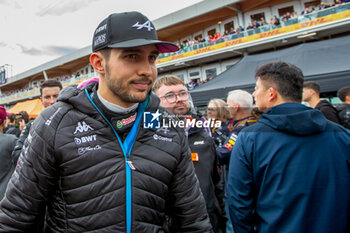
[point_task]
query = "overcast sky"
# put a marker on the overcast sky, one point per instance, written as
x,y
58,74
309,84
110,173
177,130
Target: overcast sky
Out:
x,y
35,32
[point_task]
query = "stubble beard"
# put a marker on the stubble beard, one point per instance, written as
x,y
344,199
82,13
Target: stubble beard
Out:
x,y
122,91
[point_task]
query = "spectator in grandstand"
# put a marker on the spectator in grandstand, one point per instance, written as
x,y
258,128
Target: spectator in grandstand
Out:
x,y
276,21
240,104
175,97
344,109
263,21
311,94
7,143
249,26
218,37
12,125
232,31
255,24
226,32
287,170
239,30
323,5
72,155
286,16
192,42
294,15
338,2
184,45
306,11
201,39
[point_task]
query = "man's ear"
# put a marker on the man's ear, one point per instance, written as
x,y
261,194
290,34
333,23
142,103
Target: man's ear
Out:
x,y
98,62
272,94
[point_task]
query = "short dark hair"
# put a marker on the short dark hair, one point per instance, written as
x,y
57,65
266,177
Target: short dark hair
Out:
x,y
343,93
50,83
286,78
313,86
106,53
24,115
12,117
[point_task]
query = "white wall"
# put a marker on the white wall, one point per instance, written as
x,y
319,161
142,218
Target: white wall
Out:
x,y
295,4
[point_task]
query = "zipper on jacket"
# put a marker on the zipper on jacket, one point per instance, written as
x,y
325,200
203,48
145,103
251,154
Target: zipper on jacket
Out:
x,y
126,149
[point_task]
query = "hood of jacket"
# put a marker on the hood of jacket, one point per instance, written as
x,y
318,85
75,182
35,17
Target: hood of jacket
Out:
x,y
294,118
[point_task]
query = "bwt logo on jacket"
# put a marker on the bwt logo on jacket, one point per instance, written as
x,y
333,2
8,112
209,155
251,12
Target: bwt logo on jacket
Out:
x,y
82,127
90,138
151,120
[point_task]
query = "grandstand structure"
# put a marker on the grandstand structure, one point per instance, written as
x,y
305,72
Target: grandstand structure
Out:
x,y
207,59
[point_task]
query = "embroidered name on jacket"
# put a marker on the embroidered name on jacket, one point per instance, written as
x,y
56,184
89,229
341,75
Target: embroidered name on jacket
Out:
x,y
83,150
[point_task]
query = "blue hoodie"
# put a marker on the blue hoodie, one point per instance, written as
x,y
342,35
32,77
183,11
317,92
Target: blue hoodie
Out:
x,y
290,172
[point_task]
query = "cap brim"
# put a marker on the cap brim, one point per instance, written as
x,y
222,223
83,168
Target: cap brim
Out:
x,y
162,46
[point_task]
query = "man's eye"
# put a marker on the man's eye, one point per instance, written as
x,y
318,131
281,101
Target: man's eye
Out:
x,y
153,58
183,93
131,56
170,95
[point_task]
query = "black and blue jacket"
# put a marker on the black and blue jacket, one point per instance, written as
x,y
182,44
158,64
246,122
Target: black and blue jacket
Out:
x,y
91,180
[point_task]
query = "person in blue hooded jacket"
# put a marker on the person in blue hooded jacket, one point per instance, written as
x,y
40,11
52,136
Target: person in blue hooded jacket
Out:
x,y
290,171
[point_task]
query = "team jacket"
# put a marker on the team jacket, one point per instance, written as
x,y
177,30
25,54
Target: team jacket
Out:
x,y
224,152
205,163
74,163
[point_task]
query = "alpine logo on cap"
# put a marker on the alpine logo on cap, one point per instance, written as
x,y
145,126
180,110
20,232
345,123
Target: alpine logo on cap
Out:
x,y
147,25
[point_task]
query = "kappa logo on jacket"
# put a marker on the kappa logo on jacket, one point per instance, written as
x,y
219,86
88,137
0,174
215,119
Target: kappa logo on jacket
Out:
x,y
82,127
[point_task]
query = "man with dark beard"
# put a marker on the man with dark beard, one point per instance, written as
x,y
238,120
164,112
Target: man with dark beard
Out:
x,y
90,157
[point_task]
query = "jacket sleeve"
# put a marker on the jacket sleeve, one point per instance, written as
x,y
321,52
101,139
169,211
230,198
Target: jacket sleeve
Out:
x,y
224,152
187,209
330,113
20,142
32,180
240,187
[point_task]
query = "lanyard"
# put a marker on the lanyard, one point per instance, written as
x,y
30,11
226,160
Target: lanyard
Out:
x,y
126,148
